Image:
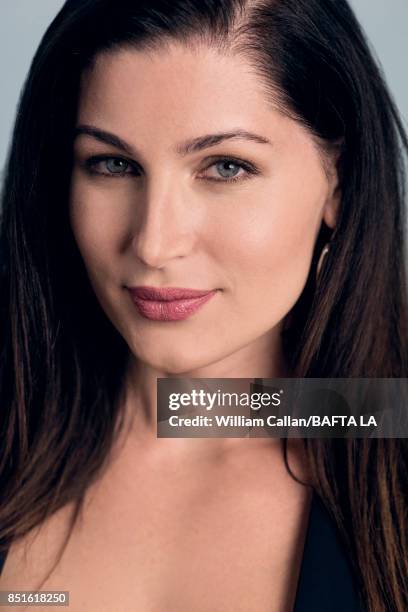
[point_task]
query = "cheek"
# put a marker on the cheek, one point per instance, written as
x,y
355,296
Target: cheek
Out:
x,y
97,229
270,246
97,232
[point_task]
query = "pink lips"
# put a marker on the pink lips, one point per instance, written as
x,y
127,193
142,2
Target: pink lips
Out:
x,y
168,304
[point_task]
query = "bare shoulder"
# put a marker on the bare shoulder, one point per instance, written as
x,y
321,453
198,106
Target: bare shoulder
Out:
x,y
30,558
232,527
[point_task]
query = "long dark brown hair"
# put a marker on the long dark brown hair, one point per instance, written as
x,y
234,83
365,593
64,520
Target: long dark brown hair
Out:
x,y
61,360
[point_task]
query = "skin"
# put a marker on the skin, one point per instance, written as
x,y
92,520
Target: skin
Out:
x,y
174,512
165,223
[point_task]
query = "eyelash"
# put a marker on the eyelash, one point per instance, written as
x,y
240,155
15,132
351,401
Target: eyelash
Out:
x,y
250,169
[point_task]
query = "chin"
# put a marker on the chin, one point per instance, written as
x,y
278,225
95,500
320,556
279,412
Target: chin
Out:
x,y
175,362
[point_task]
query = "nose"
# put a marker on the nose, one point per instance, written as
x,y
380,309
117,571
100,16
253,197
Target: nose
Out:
x,y
166,228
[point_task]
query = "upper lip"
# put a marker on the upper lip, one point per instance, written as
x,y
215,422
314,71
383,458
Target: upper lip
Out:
x,y
167,294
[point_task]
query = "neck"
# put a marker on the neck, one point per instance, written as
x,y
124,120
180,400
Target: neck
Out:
x,y
262,359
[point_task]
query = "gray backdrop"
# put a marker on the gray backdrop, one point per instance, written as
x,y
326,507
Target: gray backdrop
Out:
x,y
23,22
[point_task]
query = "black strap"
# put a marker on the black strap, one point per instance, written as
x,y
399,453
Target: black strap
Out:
x,y
326,582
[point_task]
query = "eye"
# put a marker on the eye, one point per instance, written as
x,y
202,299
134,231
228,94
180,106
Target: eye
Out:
x,y
227,170
109,166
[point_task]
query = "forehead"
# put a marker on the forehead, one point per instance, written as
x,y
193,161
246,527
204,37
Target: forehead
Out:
x,y
176,86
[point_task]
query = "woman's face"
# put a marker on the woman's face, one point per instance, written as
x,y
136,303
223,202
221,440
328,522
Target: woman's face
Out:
x,y
147,212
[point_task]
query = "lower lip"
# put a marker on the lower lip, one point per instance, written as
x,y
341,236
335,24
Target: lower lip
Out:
x,y
175,310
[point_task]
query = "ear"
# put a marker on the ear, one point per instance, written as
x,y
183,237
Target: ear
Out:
x,y
332,205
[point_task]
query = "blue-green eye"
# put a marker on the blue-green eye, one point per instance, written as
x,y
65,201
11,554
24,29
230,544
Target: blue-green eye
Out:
x,y
117,165
227,169
109,166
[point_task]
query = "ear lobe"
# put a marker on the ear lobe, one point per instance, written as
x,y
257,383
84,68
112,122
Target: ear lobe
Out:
x,y
331,208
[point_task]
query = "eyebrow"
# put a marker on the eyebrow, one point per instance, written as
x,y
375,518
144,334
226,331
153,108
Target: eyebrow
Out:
x,y
184,148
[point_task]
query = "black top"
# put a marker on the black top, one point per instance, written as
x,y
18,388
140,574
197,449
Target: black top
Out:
x,y
326,582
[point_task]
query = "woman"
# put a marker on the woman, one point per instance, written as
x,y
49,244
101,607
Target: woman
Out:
x,y
246,149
